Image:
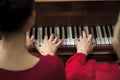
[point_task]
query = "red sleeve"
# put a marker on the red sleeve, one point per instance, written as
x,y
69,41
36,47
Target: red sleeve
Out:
x,y
73,64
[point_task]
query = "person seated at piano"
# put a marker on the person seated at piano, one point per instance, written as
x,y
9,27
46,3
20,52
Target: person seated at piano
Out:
x,y
16,63
77,68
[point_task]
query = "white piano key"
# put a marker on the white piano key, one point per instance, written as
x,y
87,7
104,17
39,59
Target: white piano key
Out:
x,y
110,38
33,32
50,30
100,35
106,39
75,31
93,40
45,31
68,34
63,34
58,33
71,39
86,30
80,30
40,35
37,40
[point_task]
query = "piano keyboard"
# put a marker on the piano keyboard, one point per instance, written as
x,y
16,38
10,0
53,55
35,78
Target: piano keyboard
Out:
x,y
101,34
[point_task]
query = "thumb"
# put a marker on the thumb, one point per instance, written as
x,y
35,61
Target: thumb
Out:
x,y
39,49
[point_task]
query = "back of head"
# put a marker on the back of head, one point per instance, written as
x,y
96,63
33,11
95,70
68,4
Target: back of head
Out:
x,y
117,32
14,14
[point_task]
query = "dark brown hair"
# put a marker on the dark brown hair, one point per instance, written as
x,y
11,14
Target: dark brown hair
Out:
x,y
14,14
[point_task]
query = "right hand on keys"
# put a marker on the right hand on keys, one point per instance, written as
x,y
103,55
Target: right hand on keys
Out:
x,y
84,44
49,46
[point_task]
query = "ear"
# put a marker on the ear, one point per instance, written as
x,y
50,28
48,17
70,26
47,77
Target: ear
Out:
x,y
30,22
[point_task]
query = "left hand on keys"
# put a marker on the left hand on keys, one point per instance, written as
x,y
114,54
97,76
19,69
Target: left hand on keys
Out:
x,y
49,46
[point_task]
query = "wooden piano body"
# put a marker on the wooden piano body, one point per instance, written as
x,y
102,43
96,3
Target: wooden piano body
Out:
x,y
79,12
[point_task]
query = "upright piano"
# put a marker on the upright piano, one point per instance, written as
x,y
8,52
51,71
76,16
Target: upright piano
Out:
x,y
68,18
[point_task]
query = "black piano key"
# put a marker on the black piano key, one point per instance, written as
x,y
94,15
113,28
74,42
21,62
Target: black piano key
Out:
x,y
65,28
89,29
111,30
82,29
0,36
108,27
53,30
95,32
31,32
102,31
77,29
92,32
43,32
73,32
60,31
107,32
48,31
36,32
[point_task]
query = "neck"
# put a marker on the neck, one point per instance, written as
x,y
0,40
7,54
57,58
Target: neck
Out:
x,y
14,45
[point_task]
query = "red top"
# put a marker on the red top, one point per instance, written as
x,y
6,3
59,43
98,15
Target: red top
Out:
x,y
78,69
48,68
